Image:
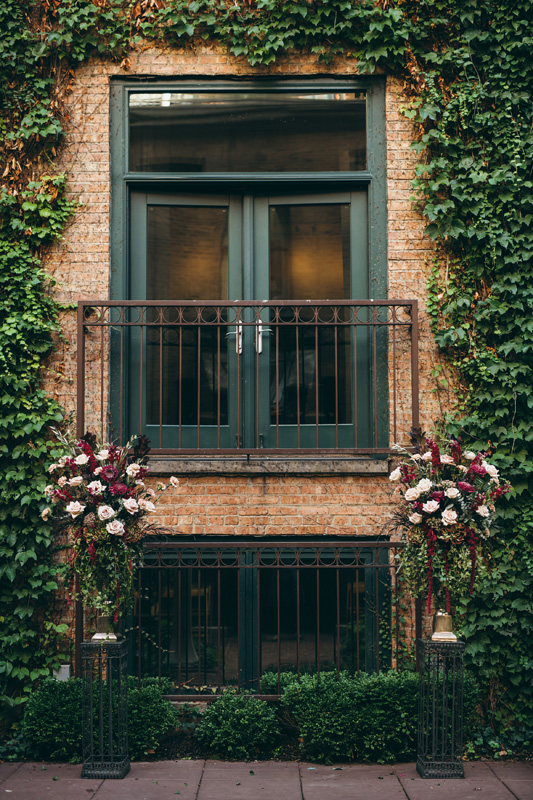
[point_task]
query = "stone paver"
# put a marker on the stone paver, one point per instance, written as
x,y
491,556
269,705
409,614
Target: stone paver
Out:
x,y
8,769
267,780
350,782
178,780
264,780
479,783
518,778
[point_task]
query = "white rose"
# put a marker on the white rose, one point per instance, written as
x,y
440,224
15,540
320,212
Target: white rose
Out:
x,y
446,459
75,481
131,505
52,467
81,459
61,481
449,516
116,527
415,518
75,509
97,471
430,507
95,487
146,505
415,457
412,494
452,493
48,490
175,482
151,492
470,455
462,468
424,485
394,476
105,512
46,513
490,469
132,470
483,511
102,455
426,456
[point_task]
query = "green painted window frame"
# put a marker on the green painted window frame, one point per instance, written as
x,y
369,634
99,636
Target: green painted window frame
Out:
x,y
372,180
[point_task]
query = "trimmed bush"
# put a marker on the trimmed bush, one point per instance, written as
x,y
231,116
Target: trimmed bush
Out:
x,y
363,718
238,726
53,719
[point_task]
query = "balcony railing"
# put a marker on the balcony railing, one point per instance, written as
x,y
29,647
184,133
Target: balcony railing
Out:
x,y
244,377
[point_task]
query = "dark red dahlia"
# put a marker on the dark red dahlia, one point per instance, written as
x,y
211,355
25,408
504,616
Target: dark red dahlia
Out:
x,y
118,489
109,474
465,487
477,469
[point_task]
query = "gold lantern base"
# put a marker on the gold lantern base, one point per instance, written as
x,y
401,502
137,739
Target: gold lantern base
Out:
x,y
442,628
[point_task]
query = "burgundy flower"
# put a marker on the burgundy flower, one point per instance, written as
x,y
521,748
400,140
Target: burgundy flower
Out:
x,y
118,489
109,474
477,469
465,487
437,495
456,451
86,448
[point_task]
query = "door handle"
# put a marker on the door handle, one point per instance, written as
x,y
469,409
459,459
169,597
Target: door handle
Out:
x,y
238,338
259,331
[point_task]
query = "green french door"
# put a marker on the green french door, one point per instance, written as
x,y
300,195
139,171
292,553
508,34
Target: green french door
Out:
x,y
283,383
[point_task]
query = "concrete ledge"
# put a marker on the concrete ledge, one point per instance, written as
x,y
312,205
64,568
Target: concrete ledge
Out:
x,y
269,466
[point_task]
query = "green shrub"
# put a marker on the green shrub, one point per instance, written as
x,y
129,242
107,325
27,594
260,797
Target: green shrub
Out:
x,y
52,722
150,717
365,718
238,726
362,718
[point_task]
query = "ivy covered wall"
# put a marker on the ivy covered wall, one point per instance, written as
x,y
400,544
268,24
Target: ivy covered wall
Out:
x,y
464,64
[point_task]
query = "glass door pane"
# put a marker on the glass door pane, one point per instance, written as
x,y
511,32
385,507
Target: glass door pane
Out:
x,y
183,249
311,249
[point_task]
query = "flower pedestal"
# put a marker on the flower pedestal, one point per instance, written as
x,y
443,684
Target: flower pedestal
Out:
x,y
105,709
440,709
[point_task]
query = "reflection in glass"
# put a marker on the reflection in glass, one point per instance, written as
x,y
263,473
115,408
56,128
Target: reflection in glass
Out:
x,y
247,132
310,260
187,259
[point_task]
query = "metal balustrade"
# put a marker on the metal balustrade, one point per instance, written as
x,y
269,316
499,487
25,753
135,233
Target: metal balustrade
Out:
x,y
249,377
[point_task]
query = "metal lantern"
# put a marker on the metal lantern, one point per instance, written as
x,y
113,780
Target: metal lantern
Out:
x,y
105,709
440,710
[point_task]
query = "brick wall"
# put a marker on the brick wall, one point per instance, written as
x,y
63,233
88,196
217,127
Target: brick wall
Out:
x,y
271,505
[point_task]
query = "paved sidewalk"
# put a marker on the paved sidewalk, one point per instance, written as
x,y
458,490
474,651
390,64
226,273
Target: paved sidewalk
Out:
x,y
265,780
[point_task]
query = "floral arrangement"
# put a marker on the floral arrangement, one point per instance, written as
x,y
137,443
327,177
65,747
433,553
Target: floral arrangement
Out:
x,y
98,495
445,515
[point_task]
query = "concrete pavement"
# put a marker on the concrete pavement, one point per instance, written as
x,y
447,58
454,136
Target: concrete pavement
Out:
x,y
265,780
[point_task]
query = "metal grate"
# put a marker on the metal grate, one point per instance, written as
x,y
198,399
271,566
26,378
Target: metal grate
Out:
x,y
212,614
105,709
440,720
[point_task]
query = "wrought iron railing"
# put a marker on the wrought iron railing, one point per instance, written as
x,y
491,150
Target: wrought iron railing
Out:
x,y
213,614
273,377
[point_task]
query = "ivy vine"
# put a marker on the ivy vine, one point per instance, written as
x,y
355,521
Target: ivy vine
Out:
x,y
464,64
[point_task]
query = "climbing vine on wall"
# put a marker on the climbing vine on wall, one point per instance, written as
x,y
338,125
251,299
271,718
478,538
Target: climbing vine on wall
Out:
x,y
464,64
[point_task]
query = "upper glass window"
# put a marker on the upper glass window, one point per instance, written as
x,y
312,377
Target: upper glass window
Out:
x,y
230,132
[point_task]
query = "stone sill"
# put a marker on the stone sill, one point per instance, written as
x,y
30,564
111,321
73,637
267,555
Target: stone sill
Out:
x,y
254,465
